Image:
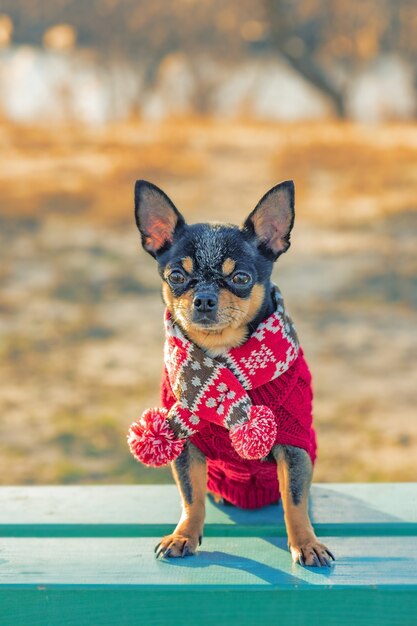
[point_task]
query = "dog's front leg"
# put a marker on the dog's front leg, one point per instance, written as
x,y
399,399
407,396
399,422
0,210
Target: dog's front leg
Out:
x,y
294,475
190,473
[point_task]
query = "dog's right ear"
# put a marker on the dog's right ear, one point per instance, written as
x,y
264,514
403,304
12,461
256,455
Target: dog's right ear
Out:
x,y
272,220
156,217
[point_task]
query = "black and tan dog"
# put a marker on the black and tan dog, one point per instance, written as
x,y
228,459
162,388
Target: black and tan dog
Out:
x,y
216,283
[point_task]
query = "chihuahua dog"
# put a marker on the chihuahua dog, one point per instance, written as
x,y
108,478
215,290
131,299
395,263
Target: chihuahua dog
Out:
x,y
216,284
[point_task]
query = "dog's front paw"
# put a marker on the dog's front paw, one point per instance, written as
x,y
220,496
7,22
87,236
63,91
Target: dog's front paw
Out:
x,y
311,553
177,546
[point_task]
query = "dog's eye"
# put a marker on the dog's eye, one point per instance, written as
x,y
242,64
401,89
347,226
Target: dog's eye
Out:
x,y
240,278
176,278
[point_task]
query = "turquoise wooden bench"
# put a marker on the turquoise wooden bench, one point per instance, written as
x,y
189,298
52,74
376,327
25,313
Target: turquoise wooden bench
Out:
x,y
84,555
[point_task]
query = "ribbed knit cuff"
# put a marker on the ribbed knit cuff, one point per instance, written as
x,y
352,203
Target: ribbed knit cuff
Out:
x,y
245,498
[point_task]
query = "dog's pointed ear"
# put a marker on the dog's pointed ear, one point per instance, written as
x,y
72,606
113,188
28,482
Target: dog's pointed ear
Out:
x,y
272,220
156,217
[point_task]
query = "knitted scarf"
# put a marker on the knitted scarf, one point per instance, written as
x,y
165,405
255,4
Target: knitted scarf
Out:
x,y
215,390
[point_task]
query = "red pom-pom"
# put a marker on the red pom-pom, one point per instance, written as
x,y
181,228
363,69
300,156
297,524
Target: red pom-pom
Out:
x,y
151,440
254,439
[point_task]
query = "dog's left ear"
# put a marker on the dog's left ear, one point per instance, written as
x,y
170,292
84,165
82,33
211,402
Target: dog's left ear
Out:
x,y
272,220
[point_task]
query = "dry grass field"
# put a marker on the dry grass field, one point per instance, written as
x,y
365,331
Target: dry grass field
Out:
x,y
81,315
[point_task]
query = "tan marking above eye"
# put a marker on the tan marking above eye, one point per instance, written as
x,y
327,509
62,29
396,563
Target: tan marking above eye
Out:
x,y
187,264
228,266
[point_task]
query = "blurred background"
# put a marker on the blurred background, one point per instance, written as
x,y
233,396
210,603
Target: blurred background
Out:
x,y
215,101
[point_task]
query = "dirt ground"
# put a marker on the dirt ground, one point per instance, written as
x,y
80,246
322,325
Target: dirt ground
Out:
x,y
81,314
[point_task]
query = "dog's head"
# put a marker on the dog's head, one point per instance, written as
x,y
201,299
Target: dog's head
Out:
x,y
216,277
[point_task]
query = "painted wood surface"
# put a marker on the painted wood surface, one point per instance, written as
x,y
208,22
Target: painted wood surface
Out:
x,y
345,509
244,562
210,606
71,556
117,582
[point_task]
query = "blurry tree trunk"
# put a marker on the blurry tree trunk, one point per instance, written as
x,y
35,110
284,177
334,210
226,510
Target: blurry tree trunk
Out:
x,y
311,71
298,46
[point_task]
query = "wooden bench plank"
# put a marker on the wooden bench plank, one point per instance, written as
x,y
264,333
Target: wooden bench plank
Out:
x,y
97,572
109,581
338,509
246,562
205,607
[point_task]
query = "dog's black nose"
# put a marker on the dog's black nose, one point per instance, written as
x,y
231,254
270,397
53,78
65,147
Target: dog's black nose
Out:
x,y
205,302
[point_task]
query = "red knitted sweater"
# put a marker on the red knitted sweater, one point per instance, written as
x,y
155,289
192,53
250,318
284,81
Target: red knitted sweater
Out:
x,y
253,484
